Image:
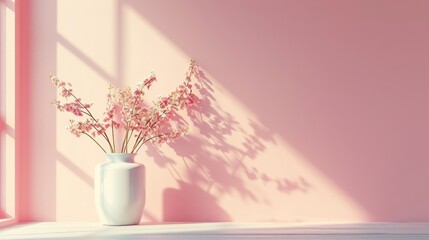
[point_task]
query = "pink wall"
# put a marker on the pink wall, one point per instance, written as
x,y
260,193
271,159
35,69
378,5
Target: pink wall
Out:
x,y
23,108
317,110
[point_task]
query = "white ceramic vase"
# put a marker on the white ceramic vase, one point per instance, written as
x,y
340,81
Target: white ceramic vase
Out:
x,y
119,187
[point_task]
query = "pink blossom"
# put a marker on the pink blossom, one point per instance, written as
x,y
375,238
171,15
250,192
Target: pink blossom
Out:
x,y
66,93
149,81
143,122
138,92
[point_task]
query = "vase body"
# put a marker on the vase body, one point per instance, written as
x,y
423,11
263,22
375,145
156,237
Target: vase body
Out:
x,y
119,187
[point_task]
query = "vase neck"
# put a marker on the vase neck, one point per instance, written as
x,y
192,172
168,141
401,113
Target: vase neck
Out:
x,y
120,157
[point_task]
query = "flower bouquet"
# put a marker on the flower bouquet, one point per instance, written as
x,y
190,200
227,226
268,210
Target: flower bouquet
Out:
x,y
126,109
119,183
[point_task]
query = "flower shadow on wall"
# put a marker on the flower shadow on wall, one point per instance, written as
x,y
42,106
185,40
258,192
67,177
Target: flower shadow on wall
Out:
x,y
214,167
348,109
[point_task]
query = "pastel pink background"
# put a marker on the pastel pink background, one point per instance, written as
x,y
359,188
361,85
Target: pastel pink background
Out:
x,y
317,110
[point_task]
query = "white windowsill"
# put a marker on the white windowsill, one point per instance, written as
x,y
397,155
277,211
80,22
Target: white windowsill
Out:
x,y
4,222
70,230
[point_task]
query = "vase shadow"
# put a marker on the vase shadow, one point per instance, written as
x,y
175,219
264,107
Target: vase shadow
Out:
x,y
190,203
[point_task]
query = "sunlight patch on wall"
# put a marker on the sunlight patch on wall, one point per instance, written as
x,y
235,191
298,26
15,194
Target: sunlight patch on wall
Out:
x,y
77,157
89,30
86,56
7,110
145,49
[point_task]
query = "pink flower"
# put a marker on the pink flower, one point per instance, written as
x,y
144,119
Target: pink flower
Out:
x,y
116,124
66,93
138,92
149,81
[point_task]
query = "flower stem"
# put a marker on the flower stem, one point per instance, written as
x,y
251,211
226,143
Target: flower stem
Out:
x,y
135,143
129,138
113,138
95,141
149,140
140,139
125,138
90,115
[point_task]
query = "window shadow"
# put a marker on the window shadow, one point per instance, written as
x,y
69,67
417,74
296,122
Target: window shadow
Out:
x,y
74,169
112,79
9,4
85,59
5,130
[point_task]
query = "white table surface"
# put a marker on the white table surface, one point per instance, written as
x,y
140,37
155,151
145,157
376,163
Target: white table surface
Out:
x,y
309,231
